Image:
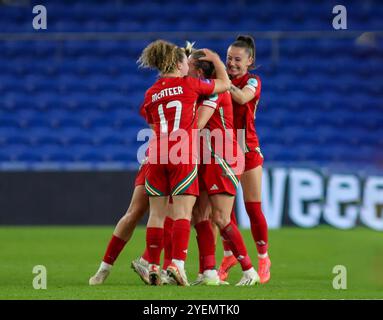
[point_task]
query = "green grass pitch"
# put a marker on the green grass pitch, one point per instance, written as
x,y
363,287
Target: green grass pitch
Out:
x,y
303,260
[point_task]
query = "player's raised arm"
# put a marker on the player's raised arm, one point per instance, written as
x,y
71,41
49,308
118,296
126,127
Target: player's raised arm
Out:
x,y
222,81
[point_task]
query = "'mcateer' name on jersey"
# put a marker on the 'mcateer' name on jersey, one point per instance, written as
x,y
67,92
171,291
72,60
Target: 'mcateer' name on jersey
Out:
x,y
167,92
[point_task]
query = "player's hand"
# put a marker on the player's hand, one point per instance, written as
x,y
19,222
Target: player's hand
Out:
x,y
209,56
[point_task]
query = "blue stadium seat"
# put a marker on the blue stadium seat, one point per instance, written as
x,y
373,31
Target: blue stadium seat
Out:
x,y
78,100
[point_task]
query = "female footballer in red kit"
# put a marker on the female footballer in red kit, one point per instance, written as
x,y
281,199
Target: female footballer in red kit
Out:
x,y
172,165
221,164
245,92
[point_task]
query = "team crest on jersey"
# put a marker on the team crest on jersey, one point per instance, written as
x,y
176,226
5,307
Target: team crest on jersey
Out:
x,y
206,80
253,82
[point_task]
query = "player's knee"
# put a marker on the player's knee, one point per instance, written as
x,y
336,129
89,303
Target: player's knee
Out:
x,y
199,216
182,215
220,218
251,194
198,219
126,222
132,216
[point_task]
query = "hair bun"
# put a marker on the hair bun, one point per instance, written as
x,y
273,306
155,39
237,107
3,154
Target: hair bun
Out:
x,y
247,39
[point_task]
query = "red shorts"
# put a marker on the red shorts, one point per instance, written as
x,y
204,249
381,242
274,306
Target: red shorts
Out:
x,y
140,177
218,178
253,159
170,179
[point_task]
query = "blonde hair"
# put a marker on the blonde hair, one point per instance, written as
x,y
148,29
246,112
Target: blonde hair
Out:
x,y
161,55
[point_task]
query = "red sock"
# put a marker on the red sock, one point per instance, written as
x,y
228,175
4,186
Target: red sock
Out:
x,y
258,225
232,234
168,232
226,244
181,234
206,246
200,270
154,244
113,250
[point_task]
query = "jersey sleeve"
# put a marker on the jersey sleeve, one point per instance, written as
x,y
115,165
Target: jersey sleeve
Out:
x,y
149,118
202,87
254,85
145,113
212,101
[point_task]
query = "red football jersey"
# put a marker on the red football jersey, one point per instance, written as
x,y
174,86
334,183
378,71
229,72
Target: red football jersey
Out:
x,y
221,135
222,117
143,113
170,106
244,115
221,120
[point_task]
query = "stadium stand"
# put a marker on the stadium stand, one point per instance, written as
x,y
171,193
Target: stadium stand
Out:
x,y
67,101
